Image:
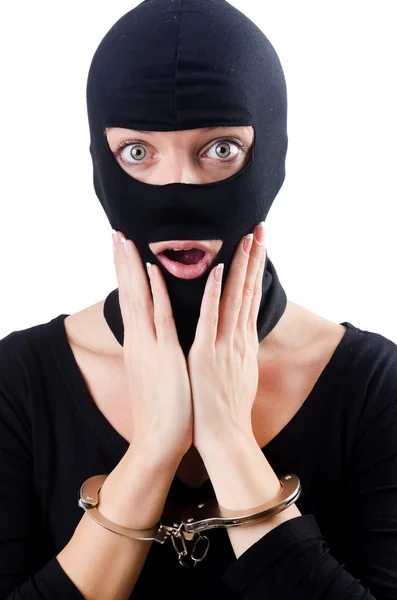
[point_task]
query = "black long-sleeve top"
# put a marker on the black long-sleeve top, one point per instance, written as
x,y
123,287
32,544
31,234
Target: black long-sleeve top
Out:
x,y
342,443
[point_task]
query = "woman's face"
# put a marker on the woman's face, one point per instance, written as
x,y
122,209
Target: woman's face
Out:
x,y
192,156
188,156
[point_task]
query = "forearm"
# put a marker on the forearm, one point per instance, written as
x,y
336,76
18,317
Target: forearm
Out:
x,y
243,479
102,564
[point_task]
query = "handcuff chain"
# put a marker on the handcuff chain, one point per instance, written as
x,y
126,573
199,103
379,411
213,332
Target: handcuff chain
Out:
x,y
183,552
204,553
191,521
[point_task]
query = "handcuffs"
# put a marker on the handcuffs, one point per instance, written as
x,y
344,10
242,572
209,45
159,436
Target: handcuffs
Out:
x,y
193,521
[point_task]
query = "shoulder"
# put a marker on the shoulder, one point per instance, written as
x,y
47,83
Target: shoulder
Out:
x,y
16,349
18,345
22,360
372,353
23,356
372,377
359,367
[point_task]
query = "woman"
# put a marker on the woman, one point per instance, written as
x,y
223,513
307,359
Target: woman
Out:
x,y
196,379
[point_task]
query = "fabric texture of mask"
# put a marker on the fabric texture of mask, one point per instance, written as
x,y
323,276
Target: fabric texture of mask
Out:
x,y
171,65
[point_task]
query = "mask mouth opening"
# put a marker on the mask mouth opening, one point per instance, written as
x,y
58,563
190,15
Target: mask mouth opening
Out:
x,y
185,257
187,266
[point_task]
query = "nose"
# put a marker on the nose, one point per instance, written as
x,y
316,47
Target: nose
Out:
x,y
176,168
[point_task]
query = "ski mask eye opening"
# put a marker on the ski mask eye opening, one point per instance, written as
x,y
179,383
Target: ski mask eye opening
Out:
x,y
206,176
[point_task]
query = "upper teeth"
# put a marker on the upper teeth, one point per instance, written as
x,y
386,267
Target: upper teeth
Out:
x,y
180,249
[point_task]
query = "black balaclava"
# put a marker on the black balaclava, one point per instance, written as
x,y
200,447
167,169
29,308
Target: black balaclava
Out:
x,y
184,64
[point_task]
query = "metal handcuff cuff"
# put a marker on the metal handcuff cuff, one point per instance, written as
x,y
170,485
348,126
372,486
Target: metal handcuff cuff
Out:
x,y
191,523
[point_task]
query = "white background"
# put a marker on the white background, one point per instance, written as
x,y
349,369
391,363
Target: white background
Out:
x,y
331,230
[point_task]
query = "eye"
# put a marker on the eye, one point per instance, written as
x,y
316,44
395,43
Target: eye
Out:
x,y
131,154
225,149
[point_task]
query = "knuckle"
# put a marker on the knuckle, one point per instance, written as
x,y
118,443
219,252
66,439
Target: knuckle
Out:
x,y
235,302
241,263
249,290
259,250
162,319
214,294
197,353
259,257
239,345
213,321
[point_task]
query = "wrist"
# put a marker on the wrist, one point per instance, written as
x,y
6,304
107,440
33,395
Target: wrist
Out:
x,y
226,442
150,454
240,473
134,493
228,436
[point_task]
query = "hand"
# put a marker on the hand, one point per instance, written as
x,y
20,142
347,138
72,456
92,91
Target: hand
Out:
x,y
222,362
158,380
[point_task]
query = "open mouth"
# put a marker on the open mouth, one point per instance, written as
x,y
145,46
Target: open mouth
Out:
x,y
185,264
186,257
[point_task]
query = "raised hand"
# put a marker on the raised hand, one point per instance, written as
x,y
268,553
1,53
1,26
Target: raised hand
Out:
x,y
222,361
156,367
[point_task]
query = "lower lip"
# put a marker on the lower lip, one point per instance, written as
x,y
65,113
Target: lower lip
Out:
x,y
185,271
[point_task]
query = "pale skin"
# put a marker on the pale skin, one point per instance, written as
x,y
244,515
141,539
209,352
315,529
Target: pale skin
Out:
x,y
224,403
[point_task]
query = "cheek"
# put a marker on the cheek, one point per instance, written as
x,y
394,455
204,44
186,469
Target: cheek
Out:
x,y
133,172
192,172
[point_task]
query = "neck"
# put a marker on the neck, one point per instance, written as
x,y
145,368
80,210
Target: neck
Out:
x,y
293,332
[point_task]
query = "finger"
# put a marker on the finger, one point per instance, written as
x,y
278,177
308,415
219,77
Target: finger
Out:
x,y
257,297
134,293
251,285
163,316
207,326
232,298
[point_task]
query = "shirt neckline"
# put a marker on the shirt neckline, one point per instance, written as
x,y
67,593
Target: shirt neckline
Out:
x,y
97,421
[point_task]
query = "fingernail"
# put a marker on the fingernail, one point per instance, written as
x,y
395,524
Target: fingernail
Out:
x,y
260,233
149,269
115,239
219,272
247,243
123,243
